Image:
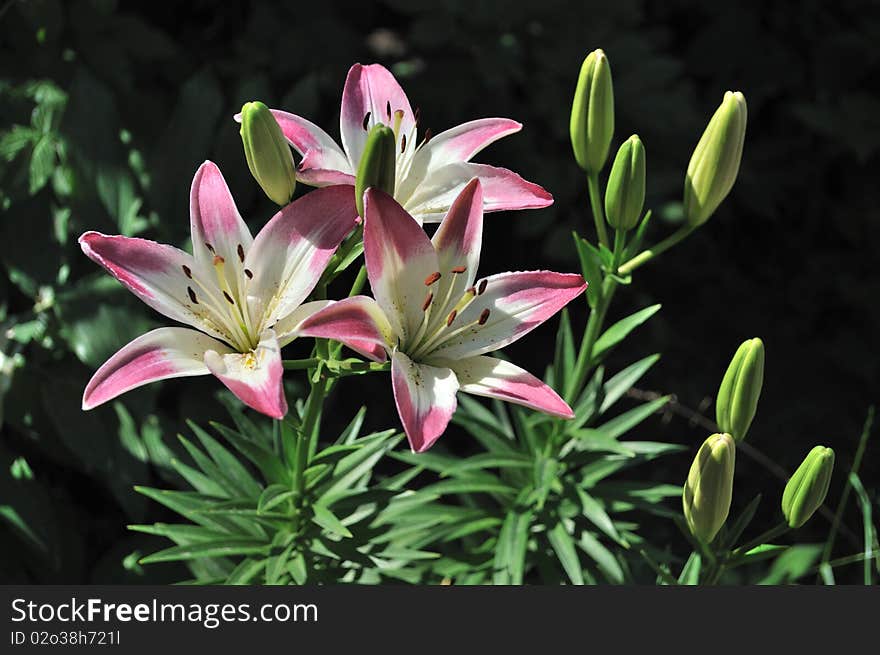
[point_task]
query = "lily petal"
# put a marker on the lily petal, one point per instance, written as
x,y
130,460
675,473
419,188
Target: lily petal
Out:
x,y
370,89
291,252
168,352
401,262
217,228
358,322
457,144
510,306
156,273
425,398
459,238
254,377
323,162
502,189
286,328
496,378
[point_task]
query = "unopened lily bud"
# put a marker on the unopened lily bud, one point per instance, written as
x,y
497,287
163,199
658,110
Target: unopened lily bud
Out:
x,y
709,488
807,488
267,152
715,162
592,113
625,195
740,389
377,166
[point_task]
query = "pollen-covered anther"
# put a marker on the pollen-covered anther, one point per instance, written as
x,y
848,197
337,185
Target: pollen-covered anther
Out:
x,y
484,316
427,303
451,317
187,271
432,278
218,260
482,287
458,270
240,252
192,295
366,122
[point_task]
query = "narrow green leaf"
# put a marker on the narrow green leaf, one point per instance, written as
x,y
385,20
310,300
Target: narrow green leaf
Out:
x,y
227,462
563,546
596,514
591,263
246,571
510,551
328,520
620,425
619,331
733,533
229,546
618,385
690,573
604,558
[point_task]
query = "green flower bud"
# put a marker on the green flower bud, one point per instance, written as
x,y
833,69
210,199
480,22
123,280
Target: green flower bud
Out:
x,y
377,165
709,488
625,195
806,490
715,162
592,113
740,389
267,152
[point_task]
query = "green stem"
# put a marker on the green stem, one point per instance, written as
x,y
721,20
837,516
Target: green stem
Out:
x,y
591,333
857,463
300,364
619,247
647,255
310,427
596,205
359,282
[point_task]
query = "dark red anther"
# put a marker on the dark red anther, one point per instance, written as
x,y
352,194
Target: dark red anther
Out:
x,y
402,142
249,273
427,302
366,120
459,269
451,317
388,109
484,316
228,298
240,253
432,278
209,247
187,271
192,295
482,287
428,135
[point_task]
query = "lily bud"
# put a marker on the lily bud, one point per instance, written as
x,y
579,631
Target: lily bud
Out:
x,y
625,195
715,162
740,389
267,152
592,113
806,490
377,166
709,488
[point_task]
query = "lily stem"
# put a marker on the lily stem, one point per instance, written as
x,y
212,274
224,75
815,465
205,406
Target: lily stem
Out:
x,y
596,206
647,255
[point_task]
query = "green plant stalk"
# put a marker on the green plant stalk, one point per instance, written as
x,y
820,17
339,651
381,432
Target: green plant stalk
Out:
x,y
596,205
647,255
619,247
856,465
310,427
591,333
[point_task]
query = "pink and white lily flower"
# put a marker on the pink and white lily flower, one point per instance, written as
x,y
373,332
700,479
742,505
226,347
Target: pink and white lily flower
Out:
x,y
243,295
437,321
430,173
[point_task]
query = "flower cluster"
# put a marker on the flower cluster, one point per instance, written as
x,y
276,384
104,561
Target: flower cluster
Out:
x,y
430,313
